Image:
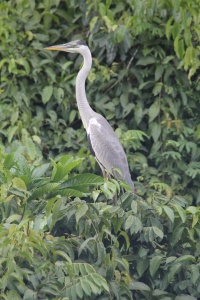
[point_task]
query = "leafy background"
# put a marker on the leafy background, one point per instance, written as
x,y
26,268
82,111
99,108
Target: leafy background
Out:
x,y
61,237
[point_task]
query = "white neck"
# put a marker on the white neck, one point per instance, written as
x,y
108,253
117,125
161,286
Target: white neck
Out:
x,y
85,110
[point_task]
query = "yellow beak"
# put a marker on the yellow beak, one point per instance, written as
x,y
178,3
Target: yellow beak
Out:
x,y
56,47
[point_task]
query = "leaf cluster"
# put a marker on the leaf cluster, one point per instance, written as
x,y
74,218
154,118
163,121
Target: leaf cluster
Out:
x,y
144,80
55,246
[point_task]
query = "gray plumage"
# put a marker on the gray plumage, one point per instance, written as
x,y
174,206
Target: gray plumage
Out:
x,y
103,142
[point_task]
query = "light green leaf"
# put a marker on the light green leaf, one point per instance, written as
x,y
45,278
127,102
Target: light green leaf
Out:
x,y
129,222
185,258
86,287
93,22
157,88
192,209
158,232
72,115
30,148
30,295
179,47
19,184
134,207
47,93
63,255
79,290
136,225
39,171
168,27
169,212
85,245
11,132
81,211
181,212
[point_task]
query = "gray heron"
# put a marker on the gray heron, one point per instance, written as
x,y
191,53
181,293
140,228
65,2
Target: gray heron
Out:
x,y
103,142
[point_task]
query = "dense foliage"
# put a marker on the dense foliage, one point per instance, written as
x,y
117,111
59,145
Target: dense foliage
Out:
x,y
61,237
56,247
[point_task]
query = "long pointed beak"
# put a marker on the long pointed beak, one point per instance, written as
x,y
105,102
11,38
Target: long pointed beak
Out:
x,y
56,47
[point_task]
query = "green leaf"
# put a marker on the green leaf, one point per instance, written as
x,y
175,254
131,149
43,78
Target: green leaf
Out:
x,y
139,286
185,258
47,93
181,212
155,264
81,211
121,31
159,72
126,237
157,89
85,246
134,207
129,222
56,212
86,287
192,209
101,252
176,236
174,270
155,130
63,255
44,190
136,225
79,290
158,232
169,212
11,132
39,171
142,265
154,111
30,148
19,184
83,180
146,61
179,47
30,295
168,27
70,192
9,160
185,297
93,22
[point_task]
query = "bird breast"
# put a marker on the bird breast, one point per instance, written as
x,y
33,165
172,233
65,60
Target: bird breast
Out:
x,y
93,121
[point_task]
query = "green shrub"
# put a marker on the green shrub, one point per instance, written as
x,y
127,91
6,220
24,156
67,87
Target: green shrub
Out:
x,y
55,246
143,55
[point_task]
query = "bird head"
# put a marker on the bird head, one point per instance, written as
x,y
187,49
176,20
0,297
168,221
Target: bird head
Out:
x,y
73,47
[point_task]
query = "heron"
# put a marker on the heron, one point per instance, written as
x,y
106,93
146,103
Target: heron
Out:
x,y
103,143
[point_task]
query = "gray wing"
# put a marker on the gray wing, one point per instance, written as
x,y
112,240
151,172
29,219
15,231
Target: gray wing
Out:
x,y
106,147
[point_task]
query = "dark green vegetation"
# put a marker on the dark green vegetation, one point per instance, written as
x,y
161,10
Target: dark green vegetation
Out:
x,y
60,235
